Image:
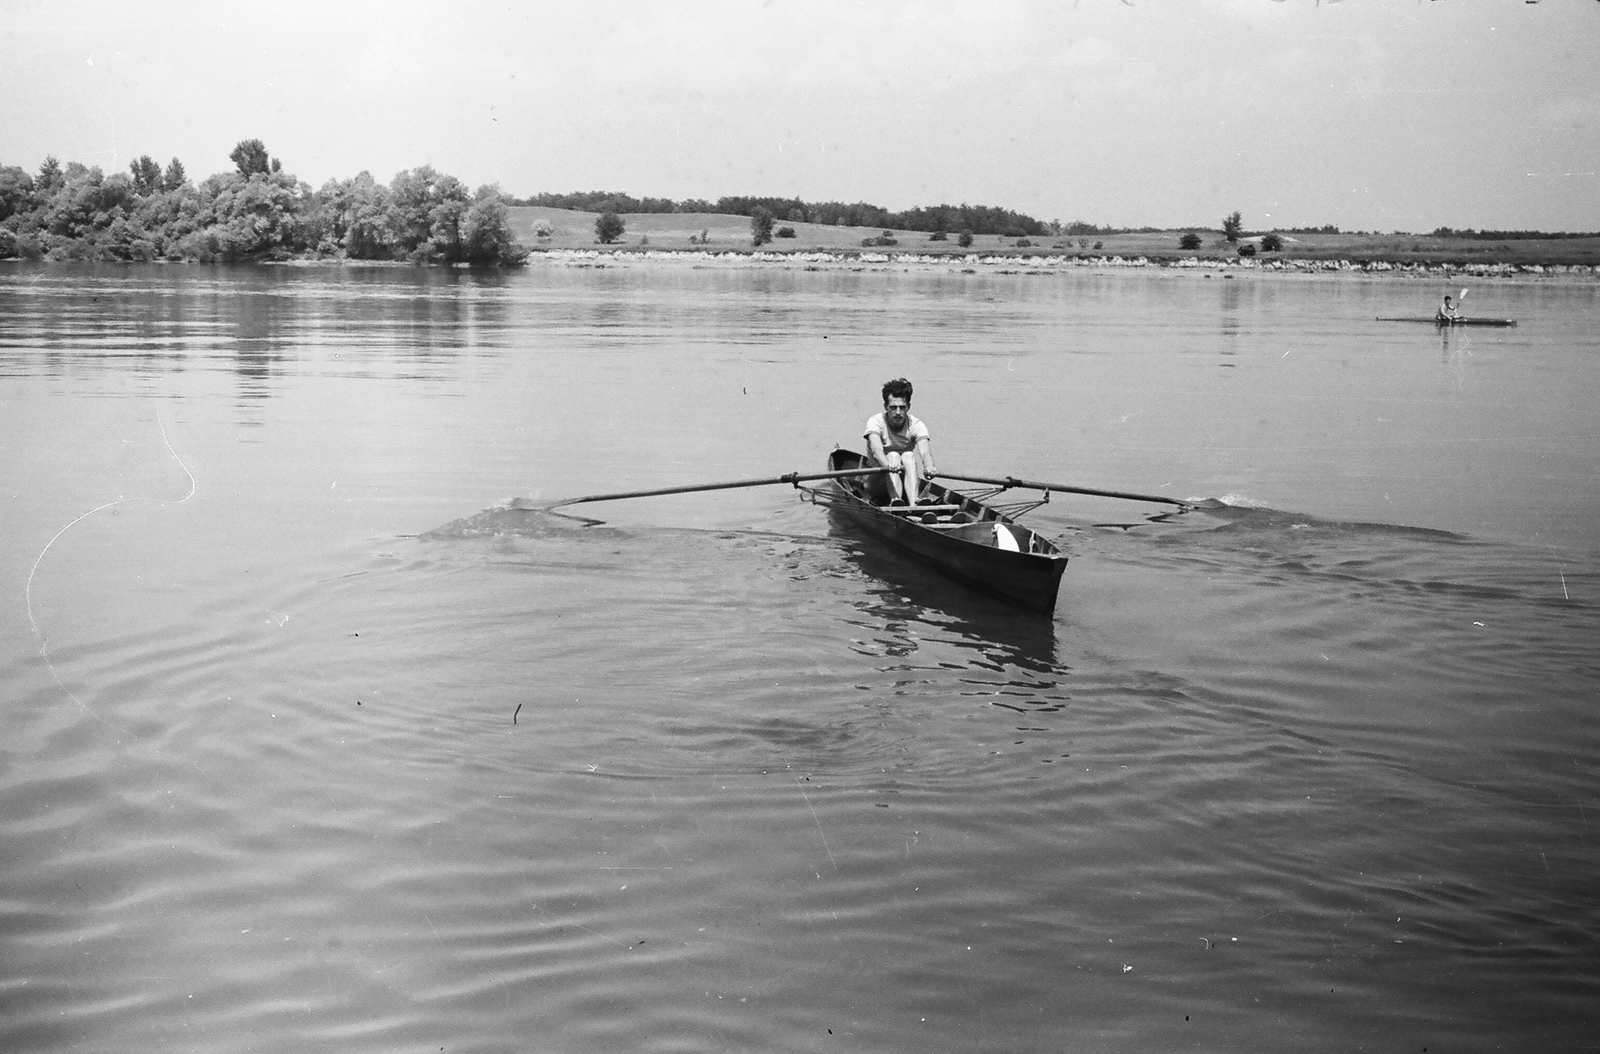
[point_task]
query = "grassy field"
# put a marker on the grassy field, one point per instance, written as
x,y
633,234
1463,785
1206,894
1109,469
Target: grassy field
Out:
x,y
673,231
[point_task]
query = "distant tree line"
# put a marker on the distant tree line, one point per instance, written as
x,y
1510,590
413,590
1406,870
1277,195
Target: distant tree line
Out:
x,y
1509,236
608,201
1077,227
256,212
979,219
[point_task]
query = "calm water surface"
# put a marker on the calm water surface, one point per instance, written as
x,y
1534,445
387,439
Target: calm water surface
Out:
x,y
317,739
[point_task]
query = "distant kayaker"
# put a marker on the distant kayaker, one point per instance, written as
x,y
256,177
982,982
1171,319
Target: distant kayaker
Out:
x,y
1447,311
899,441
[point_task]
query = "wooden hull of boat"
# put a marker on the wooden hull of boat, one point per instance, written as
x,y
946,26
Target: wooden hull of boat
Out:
x,y
959,542
1455,321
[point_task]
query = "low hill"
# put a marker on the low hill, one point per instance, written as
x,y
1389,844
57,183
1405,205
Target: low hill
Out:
x,y
571,229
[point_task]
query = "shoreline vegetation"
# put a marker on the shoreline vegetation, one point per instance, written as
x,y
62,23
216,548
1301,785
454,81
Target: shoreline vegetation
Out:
x,y
259,213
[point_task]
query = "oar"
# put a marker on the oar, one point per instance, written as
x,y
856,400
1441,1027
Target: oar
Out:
x,y
792,477
1012,481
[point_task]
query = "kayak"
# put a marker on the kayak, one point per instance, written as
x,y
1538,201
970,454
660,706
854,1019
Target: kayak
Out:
x,y
1436,321
973,542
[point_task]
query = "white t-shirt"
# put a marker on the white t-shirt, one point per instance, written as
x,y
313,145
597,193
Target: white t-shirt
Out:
x,y
896,442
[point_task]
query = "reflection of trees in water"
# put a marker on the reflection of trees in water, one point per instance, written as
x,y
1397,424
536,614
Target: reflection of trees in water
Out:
x,y
256,328
1228,316
411,319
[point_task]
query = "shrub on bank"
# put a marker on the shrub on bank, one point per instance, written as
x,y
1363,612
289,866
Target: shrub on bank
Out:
x,y
608,227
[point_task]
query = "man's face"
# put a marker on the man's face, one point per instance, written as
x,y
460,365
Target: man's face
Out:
x,y
895,410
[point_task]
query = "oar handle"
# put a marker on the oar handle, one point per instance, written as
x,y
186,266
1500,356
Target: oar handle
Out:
x,y
1012,481
795,478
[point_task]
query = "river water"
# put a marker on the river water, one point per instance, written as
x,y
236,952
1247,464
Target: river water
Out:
x,y
319,738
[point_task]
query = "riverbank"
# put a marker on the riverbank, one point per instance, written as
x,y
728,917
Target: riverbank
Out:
x,y
1038,264
702,235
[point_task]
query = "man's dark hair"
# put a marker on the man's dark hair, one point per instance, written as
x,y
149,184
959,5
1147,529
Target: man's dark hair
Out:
x,y
899,386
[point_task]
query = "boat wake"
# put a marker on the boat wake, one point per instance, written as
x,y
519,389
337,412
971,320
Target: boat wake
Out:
x,y
1254,516
519,517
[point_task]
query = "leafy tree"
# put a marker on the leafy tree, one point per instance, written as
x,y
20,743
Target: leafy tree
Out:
x,y
170,217
244,217
1232,225
608,227
425,213
351,218
445,242
84,206
174,177
964,239
1189,241
126,239
50,175
760,225
251,158
146,176
1271,243
486,231
16,191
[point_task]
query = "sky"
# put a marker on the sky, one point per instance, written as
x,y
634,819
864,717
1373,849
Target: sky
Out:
x,y
1368,114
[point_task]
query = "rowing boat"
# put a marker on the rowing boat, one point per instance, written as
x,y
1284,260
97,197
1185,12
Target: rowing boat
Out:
x,y
1434,320
974,542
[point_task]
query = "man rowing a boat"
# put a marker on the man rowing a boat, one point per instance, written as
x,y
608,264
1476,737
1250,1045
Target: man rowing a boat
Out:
x,y
1447,311
897,440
